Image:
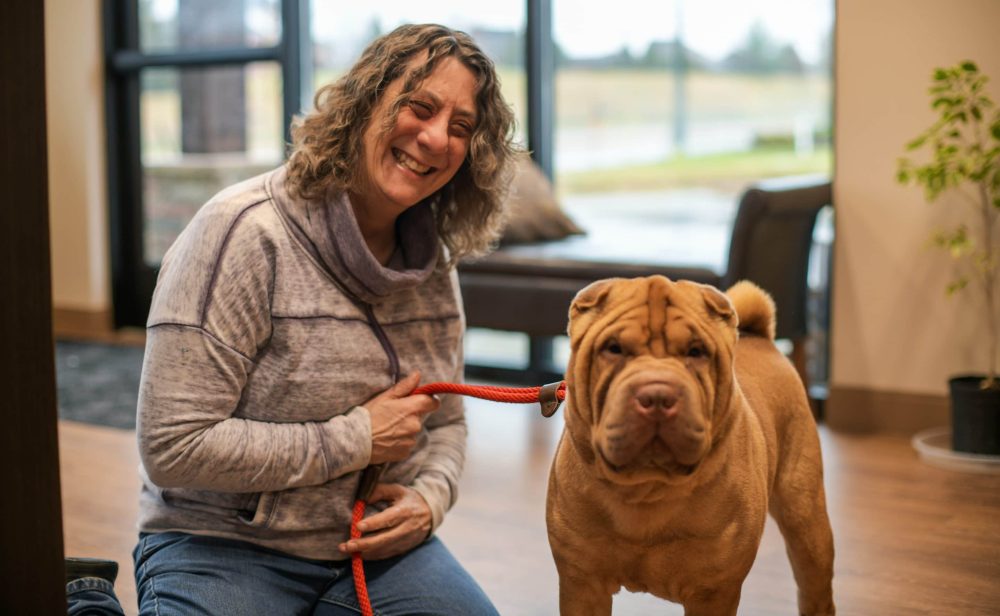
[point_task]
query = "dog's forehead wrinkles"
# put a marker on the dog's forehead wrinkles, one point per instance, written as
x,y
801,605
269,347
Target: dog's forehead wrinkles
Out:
x,y
633,335
657,306
678,331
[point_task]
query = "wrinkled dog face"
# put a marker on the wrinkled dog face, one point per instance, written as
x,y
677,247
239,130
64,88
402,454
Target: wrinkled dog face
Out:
x,y
654,355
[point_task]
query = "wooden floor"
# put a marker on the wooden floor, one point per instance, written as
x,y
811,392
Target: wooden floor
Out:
x,y
911,539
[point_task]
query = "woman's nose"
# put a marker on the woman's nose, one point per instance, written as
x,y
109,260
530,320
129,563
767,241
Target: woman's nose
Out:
x,y
434,136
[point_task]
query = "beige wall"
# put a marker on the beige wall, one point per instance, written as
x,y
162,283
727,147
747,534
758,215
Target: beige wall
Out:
x,y
78,218
894,329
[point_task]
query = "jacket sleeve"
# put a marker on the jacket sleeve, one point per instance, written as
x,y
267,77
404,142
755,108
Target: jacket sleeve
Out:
x,y
209,318
188,437
437,480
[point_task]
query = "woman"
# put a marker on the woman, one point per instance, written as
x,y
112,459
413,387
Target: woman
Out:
x,y
290,322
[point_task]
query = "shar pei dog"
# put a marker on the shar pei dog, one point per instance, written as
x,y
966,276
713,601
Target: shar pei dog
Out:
x,y
685,426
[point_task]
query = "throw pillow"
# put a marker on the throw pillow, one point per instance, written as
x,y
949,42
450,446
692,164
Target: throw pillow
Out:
x,y
533,214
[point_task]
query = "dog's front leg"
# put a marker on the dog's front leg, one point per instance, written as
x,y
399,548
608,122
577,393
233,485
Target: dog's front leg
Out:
x,y
583,598
718,602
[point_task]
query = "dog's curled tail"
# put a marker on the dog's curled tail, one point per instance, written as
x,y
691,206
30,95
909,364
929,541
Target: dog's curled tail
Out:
x,y
754,307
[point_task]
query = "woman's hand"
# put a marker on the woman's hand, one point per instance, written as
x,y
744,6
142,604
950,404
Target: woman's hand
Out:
x,y
398,529
395,417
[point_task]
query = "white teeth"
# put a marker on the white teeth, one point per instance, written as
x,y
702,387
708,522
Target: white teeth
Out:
x,y
403,159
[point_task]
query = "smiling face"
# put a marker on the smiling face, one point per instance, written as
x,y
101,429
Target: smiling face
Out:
x,y
427,144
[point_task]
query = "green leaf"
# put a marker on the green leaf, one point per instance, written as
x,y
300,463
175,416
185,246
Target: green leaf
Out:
x,y
919,141
956,286
976,113
995,130
942,101
970,67
940,75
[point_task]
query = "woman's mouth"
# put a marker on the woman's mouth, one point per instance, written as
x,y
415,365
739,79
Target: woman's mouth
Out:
x,y
408,162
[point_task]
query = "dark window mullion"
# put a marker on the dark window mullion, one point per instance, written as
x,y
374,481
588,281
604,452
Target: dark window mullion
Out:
x,y
540,67
121,22
295,58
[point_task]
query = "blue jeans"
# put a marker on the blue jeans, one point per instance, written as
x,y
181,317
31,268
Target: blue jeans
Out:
x,y
92,597
183,574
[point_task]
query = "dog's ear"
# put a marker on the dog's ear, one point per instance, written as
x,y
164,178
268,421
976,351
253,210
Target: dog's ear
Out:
x,y
591,296
589,299
584,310
717,303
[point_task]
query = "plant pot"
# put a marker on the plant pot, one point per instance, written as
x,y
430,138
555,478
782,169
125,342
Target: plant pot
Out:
x,y
975,416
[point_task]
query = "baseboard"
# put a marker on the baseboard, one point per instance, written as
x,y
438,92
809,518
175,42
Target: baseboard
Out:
x,y
92,325
853,409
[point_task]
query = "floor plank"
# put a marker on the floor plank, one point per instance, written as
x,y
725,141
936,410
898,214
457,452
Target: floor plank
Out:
x,y
100,488
911,539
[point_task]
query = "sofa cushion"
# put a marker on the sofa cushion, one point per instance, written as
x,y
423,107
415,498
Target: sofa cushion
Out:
x,y
533,213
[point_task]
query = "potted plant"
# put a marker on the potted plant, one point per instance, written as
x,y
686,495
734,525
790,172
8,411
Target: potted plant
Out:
x,y
964,146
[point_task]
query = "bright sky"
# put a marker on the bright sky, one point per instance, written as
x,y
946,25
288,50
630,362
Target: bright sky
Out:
x,y
597,27
583,28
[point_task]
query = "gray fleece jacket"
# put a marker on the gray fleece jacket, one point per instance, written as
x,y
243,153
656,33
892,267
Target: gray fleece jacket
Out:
x,y
271,323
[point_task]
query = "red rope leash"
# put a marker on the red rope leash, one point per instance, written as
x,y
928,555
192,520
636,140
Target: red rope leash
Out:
x,y
548,395
360,587
517,395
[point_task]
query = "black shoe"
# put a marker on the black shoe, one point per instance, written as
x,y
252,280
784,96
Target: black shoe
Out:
x,y
77,568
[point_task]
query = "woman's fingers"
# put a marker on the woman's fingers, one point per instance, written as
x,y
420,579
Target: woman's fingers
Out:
x,y
401,389
405,385
400,527
390,492
395,423
379,545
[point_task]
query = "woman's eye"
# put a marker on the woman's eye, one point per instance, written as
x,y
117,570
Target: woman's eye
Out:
x,y
695,352
422,110
462,129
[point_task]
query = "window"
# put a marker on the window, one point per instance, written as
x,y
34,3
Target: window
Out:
x,y
665,111
640,110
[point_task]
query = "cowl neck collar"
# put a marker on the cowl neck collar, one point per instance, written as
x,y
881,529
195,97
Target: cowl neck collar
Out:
x,y
330,233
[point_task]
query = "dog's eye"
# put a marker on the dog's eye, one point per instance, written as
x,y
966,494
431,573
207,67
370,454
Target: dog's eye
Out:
x,y
613,347
695,352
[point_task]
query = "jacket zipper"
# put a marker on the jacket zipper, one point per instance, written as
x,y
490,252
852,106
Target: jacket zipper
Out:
x,y
383,340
